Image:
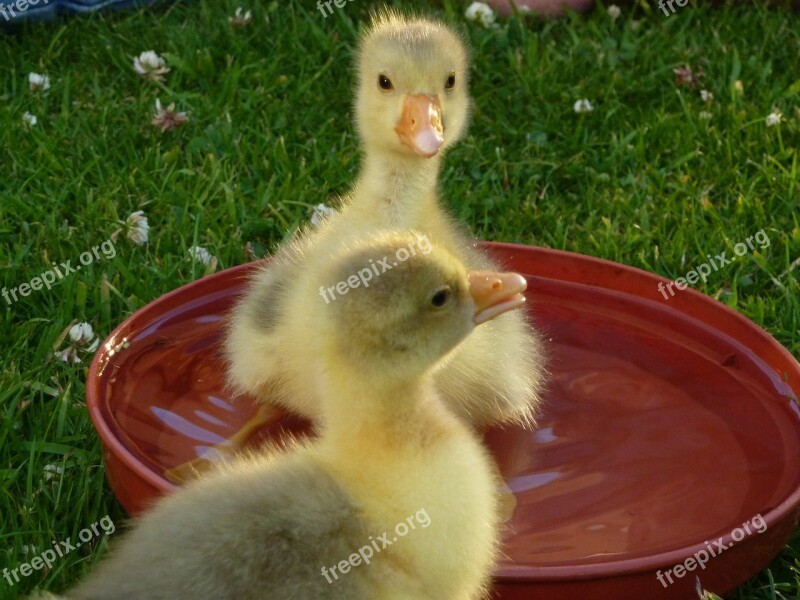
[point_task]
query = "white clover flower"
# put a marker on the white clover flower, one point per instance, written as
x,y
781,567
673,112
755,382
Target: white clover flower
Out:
x,y
614,12
321,212
705,115
29,119
480,12
38,82
706,96
81,334
150,66
582,106
137,227
51,471
83,339
687,77
200,254
68,355
774,118
241,18
168,118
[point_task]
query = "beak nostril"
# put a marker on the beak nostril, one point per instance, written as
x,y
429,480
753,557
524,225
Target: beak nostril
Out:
x,y
420,126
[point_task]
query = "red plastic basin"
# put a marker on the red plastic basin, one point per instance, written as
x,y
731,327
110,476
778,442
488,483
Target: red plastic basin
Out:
x,y
669,426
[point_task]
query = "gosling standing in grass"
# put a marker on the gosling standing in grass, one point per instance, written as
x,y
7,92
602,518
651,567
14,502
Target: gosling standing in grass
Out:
x,y
269,526
411,105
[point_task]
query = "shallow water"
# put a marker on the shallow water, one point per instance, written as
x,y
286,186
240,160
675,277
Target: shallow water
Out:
x,y
657,432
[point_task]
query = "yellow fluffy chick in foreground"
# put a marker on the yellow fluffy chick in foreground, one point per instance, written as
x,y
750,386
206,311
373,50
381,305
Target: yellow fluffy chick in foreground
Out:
x,y
394,500
411,105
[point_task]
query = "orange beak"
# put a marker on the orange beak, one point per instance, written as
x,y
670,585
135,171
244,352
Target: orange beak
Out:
x,y
421,127
495,293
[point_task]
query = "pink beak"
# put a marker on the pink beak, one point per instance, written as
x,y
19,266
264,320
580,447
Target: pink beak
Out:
x,y
495,293
420,126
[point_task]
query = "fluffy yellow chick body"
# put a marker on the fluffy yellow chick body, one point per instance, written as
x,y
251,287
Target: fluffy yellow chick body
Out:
x,y
496,375
281,525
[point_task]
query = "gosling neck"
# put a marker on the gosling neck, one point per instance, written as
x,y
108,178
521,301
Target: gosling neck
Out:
x,y
363,410
400,186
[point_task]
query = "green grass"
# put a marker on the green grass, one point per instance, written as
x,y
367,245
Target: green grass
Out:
x,y
642,180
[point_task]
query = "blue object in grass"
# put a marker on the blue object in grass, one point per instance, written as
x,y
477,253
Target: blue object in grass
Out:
x,y
15,12
86,6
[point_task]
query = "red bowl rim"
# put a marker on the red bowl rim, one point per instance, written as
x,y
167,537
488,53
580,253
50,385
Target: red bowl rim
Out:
x,y
517,573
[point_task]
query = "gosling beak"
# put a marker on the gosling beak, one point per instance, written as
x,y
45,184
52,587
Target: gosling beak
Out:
x,y
495,293
421,127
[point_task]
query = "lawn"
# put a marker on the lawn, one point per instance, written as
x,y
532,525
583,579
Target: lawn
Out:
x,y
656,176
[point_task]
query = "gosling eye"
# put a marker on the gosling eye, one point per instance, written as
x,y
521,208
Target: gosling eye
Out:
x,y
451,81
442,297
384,82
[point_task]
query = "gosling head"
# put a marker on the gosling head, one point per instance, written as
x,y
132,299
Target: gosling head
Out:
x,y
406,305
412,86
